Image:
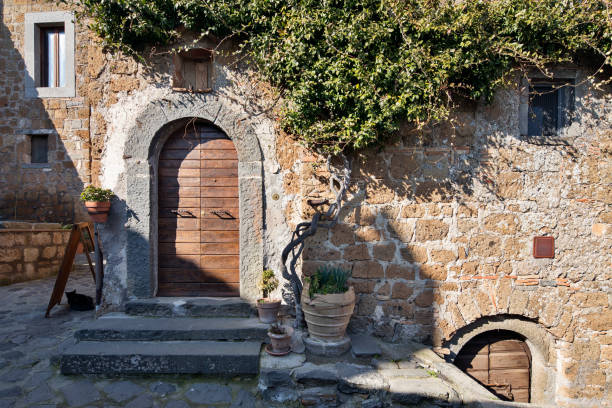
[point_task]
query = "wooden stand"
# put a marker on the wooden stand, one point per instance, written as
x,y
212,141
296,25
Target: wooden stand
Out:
x,y
81,233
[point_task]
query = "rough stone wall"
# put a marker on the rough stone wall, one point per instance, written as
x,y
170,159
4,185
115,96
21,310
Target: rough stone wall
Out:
x,y
32,191
438,233
30,251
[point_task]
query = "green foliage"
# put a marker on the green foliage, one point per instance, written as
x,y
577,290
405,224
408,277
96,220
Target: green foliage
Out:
x,y
354,70
328,280
268,282
92,193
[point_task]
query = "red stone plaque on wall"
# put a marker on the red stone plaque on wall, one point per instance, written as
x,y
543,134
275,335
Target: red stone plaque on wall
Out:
x,y
543,247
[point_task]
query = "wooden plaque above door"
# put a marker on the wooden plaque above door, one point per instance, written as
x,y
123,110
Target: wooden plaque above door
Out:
x,y
198,228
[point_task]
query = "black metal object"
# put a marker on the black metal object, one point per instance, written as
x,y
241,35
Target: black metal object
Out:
x,y
306,229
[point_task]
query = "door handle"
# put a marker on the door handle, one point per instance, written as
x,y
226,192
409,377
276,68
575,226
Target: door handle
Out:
x,y
222,213
182,212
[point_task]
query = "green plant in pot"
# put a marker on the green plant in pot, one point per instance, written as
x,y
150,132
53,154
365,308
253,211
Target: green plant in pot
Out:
x,y
280,339
328,303
267,308
97,202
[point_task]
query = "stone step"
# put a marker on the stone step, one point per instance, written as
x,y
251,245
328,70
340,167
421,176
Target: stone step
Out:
x,y
190,307
154,357
121,327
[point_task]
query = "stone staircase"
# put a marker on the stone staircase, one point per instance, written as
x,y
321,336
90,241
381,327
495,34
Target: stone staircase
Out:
x,y
217,336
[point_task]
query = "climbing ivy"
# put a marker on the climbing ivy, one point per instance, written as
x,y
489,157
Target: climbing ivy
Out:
x,y
354,70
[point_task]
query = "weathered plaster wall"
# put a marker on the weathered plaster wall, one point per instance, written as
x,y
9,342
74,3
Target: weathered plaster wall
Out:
x,y
33,191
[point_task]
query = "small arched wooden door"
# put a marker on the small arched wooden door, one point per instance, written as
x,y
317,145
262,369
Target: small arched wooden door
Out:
x,y
198,214
501,361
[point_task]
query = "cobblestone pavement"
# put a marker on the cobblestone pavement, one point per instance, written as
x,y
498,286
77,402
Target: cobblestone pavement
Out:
x,y
30,377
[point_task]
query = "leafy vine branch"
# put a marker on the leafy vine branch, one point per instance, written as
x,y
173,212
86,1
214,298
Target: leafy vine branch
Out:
x,y
354,71
338,183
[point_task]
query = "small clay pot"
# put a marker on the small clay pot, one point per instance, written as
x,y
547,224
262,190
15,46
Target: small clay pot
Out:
x,y
268,310
98,210
281,343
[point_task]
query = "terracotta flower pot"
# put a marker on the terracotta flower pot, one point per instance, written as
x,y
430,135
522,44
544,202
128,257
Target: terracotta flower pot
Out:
x,y
327,316
281,343
98,210
268,310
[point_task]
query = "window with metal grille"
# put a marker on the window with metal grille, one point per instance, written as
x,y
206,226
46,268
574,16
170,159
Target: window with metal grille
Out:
x,y
39,148
551,106
52,57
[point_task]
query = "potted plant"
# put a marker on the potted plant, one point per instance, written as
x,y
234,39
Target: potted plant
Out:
x,y
267,309
97,202
280,339
328,303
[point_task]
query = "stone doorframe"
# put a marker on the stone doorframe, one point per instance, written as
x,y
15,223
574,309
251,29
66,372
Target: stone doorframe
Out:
x,y
146,137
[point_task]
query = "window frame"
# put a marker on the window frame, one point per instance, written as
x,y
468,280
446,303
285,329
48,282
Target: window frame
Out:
x,y
35,23
560,77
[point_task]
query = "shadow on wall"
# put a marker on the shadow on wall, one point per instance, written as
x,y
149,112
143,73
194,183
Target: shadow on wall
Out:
x,y
38,178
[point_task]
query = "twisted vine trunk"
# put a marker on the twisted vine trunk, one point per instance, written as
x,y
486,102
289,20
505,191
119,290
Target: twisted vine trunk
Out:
x,y
327,219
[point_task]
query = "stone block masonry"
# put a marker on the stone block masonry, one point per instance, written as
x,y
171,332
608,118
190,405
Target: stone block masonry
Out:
x,y
30,250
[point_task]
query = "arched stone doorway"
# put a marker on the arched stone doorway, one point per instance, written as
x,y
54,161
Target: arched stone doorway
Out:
x,y
501,361
141,146
539,348
198,213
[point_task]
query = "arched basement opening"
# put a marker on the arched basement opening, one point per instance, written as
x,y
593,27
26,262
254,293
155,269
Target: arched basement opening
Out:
x,y
501,361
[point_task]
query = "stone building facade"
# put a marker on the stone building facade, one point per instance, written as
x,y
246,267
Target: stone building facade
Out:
x,y
437,228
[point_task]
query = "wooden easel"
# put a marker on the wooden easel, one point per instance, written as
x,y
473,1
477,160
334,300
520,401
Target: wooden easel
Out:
x,y
81,233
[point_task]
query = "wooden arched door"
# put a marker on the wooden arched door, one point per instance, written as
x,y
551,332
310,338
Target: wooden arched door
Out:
x,y
198,214
501,361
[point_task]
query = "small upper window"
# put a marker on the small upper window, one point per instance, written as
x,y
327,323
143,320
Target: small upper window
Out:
x,y
551,107
53,57
49,55
39,149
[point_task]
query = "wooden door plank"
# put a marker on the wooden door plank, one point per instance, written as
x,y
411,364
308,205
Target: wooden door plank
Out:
x,y
218,202
180,154
219,164
168,275
219,192
219,261
188,143
224,248
219,236
179,236
180,248
219,182
179,202
179,261
217,144
183,164
219,224
165,182
166,172
187,192
179,224
217,154
211,173
199,289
